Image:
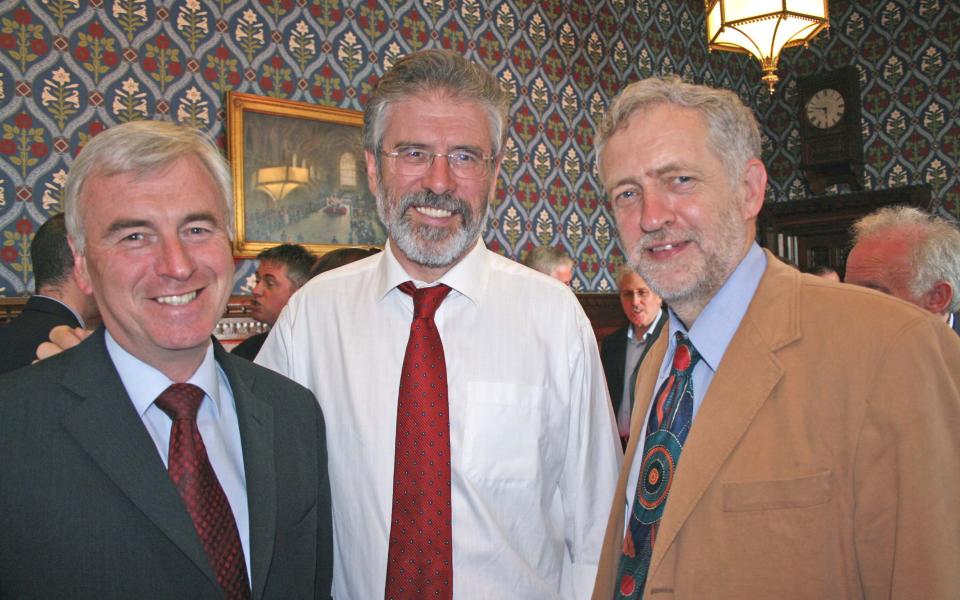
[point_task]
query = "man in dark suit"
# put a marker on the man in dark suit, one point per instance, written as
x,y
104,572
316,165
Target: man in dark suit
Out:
x,y
910,254
281,272
623,350
146,462
58,301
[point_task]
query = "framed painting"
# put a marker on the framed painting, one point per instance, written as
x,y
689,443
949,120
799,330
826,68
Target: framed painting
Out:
x,y
299,176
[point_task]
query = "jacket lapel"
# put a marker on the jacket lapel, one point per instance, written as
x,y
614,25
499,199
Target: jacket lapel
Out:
x,y
256,432
106,425
748,373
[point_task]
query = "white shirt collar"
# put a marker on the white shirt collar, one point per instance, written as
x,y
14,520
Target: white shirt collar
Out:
x,y
467,277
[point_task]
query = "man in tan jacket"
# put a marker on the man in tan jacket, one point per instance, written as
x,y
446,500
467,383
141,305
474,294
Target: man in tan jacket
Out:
x,y
823,458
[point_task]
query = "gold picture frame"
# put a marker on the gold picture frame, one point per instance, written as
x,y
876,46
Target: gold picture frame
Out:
x,y
299,176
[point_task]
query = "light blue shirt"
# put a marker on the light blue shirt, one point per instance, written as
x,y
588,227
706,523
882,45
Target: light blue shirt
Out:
x,y
710,335
216,419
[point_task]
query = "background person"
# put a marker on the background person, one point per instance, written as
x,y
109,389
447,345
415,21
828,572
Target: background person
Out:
x,y
340,257
281,271
910,254
623,351
58,301
552,261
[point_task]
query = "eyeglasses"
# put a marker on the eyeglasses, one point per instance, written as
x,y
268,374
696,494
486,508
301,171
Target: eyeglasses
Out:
x,y
464,164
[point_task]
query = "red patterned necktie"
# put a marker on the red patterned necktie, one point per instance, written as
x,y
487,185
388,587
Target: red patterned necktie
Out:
x,y
191,472
420,562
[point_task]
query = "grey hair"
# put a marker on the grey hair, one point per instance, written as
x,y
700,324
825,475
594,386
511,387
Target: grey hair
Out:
x,y
624,270
934,246
141,147
435,70
732,130
546,258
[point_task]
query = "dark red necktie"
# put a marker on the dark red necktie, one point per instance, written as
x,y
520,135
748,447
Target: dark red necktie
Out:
x,y
191,472
420,562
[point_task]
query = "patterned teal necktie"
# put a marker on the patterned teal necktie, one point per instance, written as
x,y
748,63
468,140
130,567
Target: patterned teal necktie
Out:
x,y
667,428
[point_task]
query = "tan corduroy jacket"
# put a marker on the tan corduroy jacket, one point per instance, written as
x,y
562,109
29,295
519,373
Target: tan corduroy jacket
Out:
x,y
824,461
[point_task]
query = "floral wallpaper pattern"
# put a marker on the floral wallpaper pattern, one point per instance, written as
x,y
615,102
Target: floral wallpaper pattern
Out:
x,y
71,68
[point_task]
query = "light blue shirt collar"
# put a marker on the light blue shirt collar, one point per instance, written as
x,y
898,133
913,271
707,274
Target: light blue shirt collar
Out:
x,y
718,322
144,383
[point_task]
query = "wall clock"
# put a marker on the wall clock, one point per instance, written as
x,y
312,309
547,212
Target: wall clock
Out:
x,y
831,139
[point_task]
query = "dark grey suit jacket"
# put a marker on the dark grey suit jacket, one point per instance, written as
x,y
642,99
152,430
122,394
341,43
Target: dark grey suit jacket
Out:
x,y
87,509
613,355
20,337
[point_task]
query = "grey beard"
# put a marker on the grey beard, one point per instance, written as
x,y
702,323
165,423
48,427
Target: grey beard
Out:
x,y
428,246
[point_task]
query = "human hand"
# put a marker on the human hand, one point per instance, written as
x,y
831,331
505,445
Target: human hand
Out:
x,y
62,337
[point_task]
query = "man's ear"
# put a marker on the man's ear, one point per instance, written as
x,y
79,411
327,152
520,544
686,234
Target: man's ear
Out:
x,y
755,186
80,273
371,171
937,299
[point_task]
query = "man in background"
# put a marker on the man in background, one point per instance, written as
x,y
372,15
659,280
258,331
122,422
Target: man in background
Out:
x,y
825,271
340,257
792,438
58,301
475,448
552,261
623,351
281,271
146,462
910,254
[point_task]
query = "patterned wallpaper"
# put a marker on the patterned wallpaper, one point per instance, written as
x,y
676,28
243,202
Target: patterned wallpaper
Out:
x,y
70,68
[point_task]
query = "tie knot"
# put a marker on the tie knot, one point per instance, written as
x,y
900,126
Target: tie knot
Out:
x,y
685,357
180,401
426,300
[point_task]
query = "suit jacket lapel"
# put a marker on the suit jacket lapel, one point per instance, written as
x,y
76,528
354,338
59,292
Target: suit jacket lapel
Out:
x,y
106,425
256,432
747,375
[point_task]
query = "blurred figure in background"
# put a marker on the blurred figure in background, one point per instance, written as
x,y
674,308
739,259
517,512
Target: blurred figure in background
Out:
x,y
551,261
58,301
339,257
825,271
910,254
623,350
281,272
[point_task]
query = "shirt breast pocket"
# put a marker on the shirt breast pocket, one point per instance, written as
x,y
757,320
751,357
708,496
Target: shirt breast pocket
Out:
x,y
502,432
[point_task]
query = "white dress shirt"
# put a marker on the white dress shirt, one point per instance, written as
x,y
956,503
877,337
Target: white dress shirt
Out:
x,y
534,452
216,420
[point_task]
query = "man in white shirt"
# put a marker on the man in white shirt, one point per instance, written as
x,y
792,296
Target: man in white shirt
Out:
x,y
532,447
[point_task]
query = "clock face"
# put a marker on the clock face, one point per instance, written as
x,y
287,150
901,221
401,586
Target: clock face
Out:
x,y
825,108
